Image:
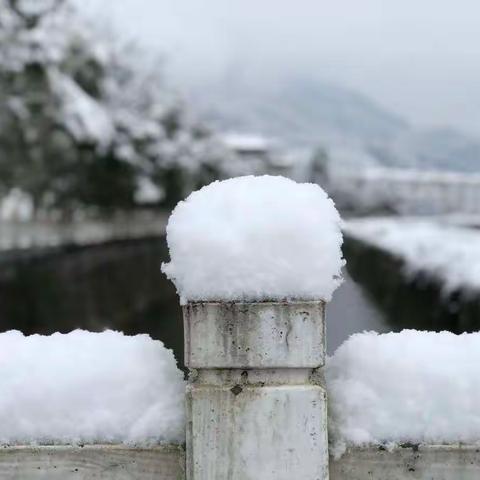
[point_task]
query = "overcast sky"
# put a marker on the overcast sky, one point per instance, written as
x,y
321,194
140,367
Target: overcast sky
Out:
x,y
419,58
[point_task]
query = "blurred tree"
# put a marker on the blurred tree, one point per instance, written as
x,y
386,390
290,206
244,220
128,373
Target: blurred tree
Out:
x,y
319,166
82,122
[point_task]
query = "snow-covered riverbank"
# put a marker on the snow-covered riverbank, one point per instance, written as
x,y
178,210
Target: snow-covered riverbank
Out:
x,y
47,234
444,249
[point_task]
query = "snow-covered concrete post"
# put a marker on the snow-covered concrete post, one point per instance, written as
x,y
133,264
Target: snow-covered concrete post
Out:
x,y
254,259
256,406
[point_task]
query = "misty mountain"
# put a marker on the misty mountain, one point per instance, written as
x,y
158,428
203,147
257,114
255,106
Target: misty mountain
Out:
x,y
441,148
307,113
299,113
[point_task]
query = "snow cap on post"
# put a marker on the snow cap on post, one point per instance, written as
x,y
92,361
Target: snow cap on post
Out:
x,y
254,239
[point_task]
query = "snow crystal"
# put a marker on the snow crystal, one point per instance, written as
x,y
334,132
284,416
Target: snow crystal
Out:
x,y
415,387
255,238
85,387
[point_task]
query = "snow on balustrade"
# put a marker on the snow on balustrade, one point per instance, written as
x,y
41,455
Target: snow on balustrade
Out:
x,y
46,233
85,387
442,249
255,238
409,387
408,191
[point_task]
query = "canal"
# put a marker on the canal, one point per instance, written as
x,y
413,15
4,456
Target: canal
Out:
x,y
352,311
119,285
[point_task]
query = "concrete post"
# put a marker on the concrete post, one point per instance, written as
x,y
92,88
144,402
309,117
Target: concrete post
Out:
x,y
256,405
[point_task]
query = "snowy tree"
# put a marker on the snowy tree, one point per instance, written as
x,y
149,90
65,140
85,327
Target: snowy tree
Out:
x,y
83,124
319,166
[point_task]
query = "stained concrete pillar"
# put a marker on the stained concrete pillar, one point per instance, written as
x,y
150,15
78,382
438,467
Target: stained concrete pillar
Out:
x,y
256,403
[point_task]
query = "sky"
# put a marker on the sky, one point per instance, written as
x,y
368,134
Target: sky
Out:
x,y
417,58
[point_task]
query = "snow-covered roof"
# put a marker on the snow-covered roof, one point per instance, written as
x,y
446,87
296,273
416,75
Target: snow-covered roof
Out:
x,y
246,142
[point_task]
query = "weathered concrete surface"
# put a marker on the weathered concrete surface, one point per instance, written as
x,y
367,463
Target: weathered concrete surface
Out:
x,y
256,407
106,462
249,335
424,462
254,432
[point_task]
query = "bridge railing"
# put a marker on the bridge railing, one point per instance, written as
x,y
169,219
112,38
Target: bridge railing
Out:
x,y
256,400
410,192
256,409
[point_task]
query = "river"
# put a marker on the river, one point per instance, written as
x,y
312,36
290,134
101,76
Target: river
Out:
x,y
351,311
119,285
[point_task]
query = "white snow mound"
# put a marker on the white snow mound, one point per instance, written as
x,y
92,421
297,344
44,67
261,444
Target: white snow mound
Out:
x,y
409,387
253,239
445,251
85,387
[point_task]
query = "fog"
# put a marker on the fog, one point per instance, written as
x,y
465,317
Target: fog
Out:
x,y
418,59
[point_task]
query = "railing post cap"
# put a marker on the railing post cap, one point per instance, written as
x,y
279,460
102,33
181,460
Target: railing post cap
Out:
x,y
255,334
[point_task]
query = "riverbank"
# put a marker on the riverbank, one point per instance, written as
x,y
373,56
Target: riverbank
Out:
x,y
48,234
423,273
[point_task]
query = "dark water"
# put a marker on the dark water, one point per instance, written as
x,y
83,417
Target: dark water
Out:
x,y
119,285
351,311
410,301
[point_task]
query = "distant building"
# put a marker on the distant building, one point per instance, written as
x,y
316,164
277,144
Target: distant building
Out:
x,y
249,145
259,154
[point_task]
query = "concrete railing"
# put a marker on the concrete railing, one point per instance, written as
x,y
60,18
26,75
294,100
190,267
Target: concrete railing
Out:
x,y
408,462
256,405
256,409
409,192
106,462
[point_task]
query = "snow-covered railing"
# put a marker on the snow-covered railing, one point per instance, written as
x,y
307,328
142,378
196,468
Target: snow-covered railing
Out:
x,y
253,283
89,405
405,406
409,191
